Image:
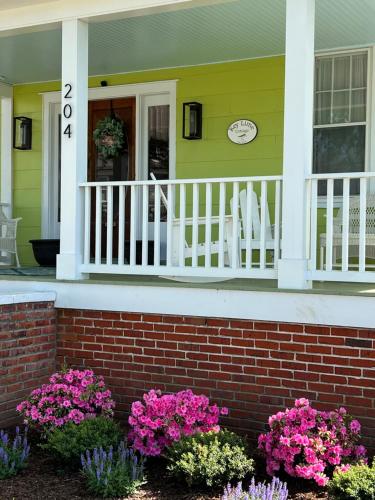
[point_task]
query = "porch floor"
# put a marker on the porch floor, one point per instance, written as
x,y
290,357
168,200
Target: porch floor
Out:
x,y
47,274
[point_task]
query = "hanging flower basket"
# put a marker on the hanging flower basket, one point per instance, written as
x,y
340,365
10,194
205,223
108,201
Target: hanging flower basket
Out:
x,y
109,137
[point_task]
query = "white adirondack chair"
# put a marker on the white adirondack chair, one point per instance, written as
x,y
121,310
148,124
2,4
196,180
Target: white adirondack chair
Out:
x,y
354,227
8,237
252,231
188,249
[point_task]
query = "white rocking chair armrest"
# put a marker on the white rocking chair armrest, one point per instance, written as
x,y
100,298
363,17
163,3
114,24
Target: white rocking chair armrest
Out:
x,y
189,221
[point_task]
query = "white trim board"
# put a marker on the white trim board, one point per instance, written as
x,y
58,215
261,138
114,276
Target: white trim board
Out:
x,y
286,307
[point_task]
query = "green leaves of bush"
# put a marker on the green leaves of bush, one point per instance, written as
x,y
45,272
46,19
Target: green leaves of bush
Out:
x,y
66,444
358,483
211,459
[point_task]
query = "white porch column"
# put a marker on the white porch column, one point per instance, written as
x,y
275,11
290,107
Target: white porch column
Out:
x,y
298,130
6,148
74,102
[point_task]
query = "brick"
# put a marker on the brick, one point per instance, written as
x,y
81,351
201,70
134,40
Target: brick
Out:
x,y
362,343
254,367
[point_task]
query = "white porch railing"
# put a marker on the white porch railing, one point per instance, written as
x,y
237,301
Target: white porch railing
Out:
x,y
211,228
341,227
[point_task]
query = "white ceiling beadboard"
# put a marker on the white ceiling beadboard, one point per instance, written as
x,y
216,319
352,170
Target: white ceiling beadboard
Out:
x,y
229,31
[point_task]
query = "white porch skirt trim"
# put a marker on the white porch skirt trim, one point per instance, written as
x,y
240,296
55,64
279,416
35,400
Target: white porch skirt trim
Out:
x,y
291,307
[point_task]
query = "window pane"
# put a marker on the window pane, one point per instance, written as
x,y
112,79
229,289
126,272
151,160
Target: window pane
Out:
x,y
322,108
340,107
358,113
341,72
158,141
339,150
359,71
158,151
323,73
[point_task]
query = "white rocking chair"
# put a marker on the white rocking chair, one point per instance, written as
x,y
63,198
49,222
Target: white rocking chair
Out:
x,y
8,237
188,250
353,237
252,231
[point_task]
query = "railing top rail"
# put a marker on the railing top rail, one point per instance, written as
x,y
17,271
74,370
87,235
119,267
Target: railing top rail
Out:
x,y
348,175
183,181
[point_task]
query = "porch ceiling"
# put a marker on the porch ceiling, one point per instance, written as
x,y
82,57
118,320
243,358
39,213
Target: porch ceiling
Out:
x,y
236,30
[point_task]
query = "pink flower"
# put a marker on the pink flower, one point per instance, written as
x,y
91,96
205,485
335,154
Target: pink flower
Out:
x,y
159,419
355,426
309,443
80,392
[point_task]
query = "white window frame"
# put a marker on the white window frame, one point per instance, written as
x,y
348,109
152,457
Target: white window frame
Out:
x,y
370,111
137,90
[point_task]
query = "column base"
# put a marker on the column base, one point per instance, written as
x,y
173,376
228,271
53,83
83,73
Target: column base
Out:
x,y
67,267
292,274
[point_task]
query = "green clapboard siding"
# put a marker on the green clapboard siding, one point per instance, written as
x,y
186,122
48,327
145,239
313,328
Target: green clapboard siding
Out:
x,y
250,89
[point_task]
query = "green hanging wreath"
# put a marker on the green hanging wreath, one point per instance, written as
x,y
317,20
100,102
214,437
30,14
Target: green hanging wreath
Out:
x,y
109,137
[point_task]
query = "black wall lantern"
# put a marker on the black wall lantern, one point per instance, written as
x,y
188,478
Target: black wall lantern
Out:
x,y
192,121
22,132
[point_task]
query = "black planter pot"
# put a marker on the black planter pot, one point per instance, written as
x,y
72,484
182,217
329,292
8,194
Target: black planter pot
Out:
x,y
45,251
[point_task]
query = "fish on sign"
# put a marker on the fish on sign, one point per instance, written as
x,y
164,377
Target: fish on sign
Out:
x,y
242,131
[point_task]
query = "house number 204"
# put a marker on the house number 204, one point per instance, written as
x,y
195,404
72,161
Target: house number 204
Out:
x,y
67,110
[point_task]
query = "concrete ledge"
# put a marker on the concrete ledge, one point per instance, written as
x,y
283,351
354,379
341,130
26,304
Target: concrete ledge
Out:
x,y
21,297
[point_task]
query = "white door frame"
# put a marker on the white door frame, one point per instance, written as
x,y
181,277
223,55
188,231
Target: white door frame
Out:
x,y
51,100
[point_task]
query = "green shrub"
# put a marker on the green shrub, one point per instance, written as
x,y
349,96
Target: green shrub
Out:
x,y
66,444
110,474
357,483
211,459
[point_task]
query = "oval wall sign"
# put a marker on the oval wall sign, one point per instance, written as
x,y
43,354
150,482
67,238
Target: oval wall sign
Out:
x,y
242,131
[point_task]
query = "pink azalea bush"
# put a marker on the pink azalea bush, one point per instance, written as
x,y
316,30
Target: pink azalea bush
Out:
x,y
160,420
309,443
70,396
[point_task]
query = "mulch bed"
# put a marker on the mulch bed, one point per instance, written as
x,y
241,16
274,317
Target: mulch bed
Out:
x,y
42,481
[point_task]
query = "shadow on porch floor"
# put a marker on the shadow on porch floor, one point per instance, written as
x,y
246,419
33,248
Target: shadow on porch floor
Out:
x,y
48,274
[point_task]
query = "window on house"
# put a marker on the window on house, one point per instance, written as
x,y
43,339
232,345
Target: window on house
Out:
x,y
340,116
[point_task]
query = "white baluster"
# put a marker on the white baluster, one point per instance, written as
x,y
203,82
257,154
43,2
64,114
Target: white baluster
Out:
x,y
208,228
362,224
170,215
195,225
263,208
329,224
121,225
98,226
145,225
221,223
87,225
157,226
313,223
133,222
249,225
345,224
182,239
236,252
109,224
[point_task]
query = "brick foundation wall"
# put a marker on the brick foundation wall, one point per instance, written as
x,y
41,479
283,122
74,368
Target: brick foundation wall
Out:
x,y
254,368
27,353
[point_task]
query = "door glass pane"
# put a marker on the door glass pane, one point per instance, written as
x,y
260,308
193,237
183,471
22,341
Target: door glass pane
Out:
x,y
340,107
341,72
337,150
158,141
158,150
